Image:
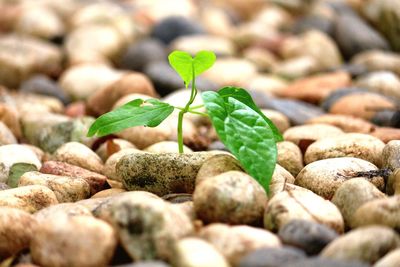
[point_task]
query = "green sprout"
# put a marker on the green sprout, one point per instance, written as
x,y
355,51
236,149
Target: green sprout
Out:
x,y
248,134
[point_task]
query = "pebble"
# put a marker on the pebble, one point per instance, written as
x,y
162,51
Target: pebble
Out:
x,y
141,53
367,244
382,82
377,60
295,68
386,134
265,62
232,197
389,260
279,120
266,84
10,117
194,252
112,146
108,192
192,44
346,123
80,155
357,145
145,264
309,236
271,257
324,177
393,183
166,147
352,194
313,22
289,205
161,173
391,155
290,157
319,261
17,228
109,167
6,135
28,198
75,237
66,189
62,209
234,242
104,99
147,227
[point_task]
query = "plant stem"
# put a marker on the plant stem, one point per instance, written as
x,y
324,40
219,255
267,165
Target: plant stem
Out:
x,y
185,110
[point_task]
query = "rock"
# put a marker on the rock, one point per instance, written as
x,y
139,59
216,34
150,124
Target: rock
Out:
x,y
347,123
173,27
162,173
141,53
357,145
290,157
391,155
315,88
108,192
62,209
17,228
265,84
14,154
377,60
295,68
166,147
112,146
194,252
21,56
367,244
324,177
147,227
279,119
41,84
234,242
95,180
352,194
104,99
310,44
386,134
232,197
393,183
270,257
109,167
31,103
10,117
66,189
216,165
145,264
80,155
75,237
317,262
192,44
81,81
301,204
264,61
28,198
382,82
379,211
389,260
4,186
309,236
313,22
353,36
6,136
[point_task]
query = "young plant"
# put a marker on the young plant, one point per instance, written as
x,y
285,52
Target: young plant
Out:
x,y
239,123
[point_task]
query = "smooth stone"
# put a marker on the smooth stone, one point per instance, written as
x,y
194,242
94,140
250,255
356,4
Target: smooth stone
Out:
x,y
271,257
108,192
112,146
145,264
95,180
324,177
232,197
141,53
313,22
295,68
385,116
347,123
265,61
290,157
391,259
194,252
319,261
353,36
352,194
393,182
80,155
67,241
289,205
391,155
216,165
103,100
382,82
17,228
62,209
147,227
4,186
173,27
385,211
166,147
28,198
192,44
161,173
41,84
109,167
357,145
309,236
386,134
265,84
367,244
315,88
234,242
377,60
304,135
279,120
10,117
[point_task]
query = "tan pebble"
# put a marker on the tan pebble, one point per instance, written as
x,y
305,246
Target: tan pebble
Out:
x,y
290,157
216,165
108,192
112,146
279,119
347,123
391,259
63,209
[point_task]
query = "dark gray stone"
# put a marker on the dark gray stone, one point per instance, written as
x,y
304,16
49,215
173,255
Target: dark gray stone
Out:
x,y
322,262
271,257
385,118
141,53
352,69
313,22
178,198
172,27
306,235
42,85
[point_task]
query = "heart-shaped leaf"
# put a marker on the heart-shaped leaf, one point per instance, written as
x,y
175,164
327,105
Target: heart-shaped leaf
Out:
x,y
189,68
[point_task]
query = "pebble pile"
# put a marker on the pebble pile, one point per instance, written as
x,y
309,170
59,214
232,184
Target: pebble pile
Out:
x,y
327,73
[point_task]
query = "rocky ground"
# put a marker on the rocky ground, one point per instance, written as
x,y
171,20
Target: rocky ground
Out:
x,y
326,72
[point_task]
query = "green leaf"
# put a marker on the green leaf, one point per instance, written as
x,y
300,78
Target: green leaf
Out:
x,y
187,67
243,96
245,133
130,115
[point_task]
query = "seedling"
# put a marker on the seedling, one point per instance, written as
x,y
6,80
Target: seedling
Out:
x,y
239,123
